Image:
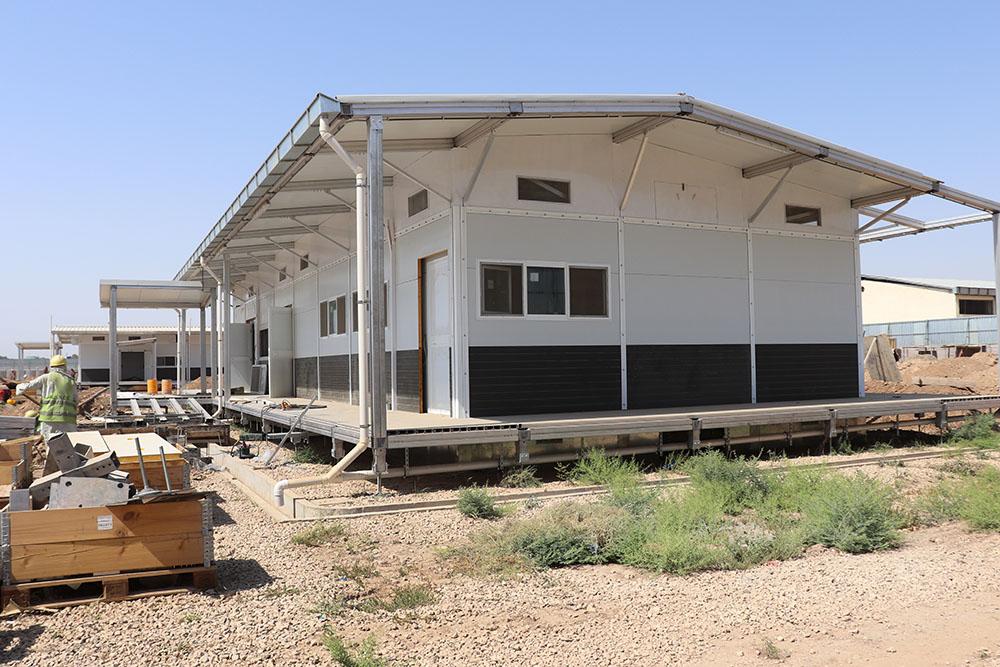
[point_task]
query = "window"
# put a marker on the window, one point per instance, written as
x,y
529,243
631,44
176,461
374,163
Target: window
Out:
x,y
282,274
588,292
416,203
263,342
166,361
975,306
354,309
802,215
97,339
304,262
333,317
518,290
134,337
502,290
540,189
341,305
546,290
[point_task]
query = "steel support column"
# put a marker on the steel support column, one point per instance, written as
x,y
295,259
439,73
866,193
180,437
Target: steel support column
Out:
x,y
996,270
227,301
202,350
376,297
113,352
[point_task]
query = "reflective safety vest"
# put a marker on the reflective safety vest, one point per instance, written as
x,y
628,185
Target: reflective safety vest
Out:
x,y
58,399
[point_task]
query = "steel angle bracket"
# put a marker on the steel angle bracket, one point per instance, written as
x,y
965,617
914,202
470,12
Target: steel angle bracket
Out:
x,y
5,546
207,534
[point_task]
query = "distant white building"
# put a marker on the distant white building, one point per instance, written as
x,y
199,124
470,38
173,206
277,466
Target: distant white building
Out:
x,y
147,352
890,299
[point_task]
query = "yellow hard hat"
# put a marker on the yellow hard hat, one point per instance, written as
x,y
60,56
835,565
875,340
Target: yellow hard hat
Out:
x,y
57,360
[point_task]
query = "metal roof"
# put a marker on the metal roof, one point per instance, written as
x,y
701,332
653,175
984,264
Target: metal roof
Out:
x,y
156,293
955,285
442,122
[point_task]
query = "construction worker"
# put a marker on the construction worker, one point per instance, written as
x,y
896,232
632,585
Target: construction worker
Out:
x,y
57,411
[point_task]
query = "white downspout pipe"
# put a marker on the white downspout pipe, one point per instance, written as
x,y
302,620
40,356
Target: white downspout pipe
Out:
x,y
216,312
364,421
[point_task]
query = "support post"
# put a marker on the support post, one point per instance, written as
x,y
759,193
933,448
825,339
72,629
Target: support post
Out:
x,y
226,319
996,271
216,388
376,297
202,349
113,352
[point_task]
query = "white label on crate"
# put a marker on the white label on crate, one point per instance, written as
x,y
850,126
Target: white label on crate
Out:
x,y
105,522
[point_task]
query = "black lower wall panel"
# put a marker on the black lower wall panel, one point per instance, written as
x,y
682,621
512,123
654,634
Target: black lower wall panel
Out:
x,y
334,380
543,378
408,380
338,377
304,377
803,371
666,376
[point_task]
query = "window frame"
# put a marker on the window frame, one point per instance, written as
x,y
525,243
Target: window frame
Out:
x,y
524,264
333,333
568,182
819,210
426,202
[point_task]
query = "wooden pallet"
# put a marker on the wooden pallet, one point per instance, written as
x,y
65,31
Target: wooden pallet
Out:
x,y
59,593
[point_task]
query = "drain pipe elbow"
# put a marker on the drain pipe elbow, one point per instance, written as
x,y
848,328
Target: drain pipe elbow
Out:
x,y
279,492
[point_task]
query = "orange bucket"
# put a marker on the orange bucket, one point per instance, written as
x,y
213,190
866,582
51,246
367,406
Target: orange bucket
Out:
x,y
167,386
151,386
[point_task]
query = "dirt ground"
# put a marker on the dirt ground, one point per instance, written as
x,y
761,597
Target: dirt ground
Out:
x,y
935,600
956,375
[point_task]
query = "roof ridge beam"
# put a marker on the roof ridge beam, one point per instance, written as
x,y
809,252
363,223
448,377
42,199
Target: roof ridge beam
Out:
x,y
782,162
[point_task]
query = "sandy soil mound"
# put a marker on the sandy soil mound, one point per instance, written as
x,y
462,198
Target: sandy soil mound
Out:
x,y
955,375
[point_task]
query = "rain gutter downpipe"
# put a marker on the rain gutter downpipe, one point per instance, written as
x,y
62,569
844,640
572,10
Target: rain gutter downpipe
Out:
x,y
364,422
216,312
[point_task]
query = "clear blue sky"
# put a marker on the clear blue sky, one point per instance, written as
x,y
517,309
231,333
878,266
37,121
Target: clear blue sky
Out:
x,y
126,128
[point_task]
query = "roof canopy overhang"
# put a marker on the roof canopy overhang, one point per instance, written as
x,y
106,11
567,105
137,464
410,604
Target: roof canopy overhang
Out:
x,y
32,346
302,185
155,294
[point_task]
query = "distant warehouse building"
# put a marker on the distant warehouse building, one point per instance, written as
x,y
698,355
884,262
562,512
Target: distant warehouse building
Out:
x,y
887,299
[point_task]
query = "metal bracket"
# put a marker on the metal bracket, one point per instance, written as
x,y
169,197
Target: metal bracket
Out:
x,y
694,438
831,426
207,532
5,546
522,445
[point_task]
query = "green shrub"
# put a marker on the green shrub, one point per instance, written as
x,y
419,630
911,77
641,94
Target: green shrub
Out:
x,y
980,505
362,655
308,453
319,534
940,504
739,483
405,597
596,467
979,428
566,534
522,478
478,504
854,514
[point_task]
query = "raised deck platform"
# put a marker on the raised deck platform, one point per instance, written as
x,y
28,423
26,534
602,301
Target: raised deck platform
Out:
x,y
408,429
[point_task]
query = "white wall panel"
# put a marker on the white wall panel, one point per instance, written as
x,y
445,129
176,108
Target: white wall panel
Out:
x,y
804,290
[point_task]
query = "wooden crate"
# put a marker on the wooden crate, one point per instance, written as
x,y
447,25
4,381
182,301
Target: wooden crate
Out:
x,y
15,461
59,593
91,541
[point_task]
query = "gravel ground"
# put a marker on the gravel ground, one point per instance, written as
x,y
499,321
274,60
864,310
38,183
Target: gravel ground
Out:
x,y
935,600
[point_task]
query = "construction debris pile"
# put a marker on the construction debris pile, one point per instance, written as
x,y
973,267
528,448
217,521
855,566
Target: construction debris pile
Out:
x,y
927,374
106,509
